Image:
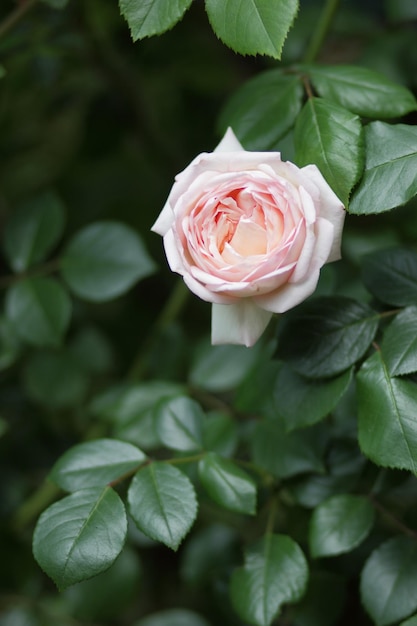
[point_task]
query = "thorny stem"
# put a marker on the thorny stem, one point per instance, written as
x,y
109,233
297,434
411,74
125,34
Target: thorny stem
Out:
x,y
320,32
16,15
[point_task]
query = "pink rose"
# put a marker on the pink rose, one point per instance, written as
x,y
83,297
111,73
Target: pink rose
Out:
x,y
249,233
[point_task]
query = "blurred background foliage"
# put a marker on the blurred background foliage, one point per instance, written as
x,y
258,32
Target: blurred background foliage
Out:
x,y
106,124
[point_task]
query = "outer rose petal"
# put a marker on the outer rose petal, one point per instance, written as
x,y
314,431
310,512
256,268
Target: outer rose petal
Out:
x,y
240,323
330,207
229,143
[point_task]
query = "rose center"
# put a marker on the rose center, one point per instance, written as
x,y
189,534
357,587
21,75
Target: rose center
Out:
x,y
241,225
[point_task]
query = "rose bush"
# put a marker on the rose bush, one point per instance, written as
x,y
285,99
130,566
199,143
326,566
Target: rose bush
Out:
x,y
249,233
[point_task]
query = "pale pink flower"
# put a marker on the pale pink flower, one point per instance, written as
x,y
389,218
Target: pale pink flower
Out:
x,y
249,233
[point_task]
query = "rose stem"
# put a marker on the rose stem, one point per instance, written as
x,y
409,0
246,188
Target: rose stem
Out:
x,y
319,35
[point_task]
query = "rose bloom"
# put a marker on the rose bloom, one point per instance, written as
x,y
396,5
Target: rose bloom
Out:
x,y
249,233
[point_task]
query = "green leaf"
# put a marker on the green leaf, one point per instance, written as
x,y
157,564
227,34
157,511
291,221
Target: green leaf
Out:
x,y
227,484
302,401
92,350
103,598
263,110
220,433
9,344
130,409
179,423
173,617
275,573
389,178
33,230
252,26
2,72
40,310
286,454
55,379
163,503
330,137
80,536
95,463
104,260
399,345
361,90
391,276
412,621
339,524
387,409
388,581
221,368
327,335
152,17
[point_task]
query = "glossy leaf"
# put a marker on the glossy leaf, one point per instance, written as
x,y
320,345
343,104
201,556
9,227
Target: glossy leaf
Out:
x,y
103,260
263,110
388,581
361,90
252,26
152,17
163,503
286,454
391,160
327,335
33,230
275,573
179,423
330,137
387,409
340,524
80,536
40,310
55,380
391,276
399,345
95,463
304,401
228,485
173,617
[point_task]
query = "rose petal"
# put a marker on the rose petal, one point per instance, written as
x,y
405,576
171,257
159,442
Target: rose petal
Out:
x,y
330,207
229,143
289,295
241,323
